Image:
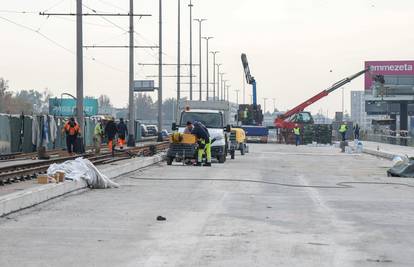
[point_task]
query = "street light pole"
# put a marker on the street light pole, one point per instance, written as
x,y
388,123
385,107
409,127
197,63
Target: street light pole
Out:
x,y
224,89
160,75
214,73
79,66
131,135
237,96
221,86
178,58
200,68
191,50
207,84
228,92
264,104
244,89
218,81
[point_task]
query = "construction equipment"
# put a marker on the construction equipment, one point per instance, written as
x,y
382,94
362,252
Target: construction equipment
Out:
x,y
182,147
237,142
214,122
251,116
297,115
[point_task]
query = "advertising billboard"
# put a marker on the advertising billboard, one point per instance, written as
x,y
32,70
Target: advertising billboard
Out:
x,y
388,68
66,107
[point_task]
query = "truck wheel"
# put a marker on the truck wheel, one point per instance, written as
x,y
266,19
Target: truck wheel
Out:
x,y
221,158
232,154
170,160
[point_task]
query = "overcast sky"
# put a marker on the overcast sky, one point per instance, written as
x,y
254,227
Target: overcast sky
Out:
x,y
291,45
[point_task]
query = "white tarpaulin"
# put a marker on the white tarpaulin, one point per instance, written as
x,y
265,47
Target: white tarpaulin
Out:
x,y
82,169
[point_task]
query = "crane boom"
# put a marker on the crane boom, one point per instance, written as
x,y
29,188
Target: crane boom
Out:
x,y
322,94
249,78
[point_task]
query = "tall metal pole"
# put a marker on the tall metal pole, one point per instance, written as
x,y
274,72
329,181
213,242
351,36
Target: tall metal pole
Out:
x,y
214,74
79,66
218,81
191,50
131,132
224,90
223,96
207,81
342,101
244,89
237,96
199,58
178,58
264,104
228,92
160,75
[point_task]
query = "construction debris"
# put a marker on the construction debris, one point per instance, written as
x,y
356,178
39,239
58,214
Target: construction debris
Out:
x,y
82,169
403,167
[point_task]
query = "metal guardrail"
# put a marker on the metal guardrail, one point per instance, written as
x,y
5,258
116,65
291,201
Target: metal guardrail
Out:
x,y
389,138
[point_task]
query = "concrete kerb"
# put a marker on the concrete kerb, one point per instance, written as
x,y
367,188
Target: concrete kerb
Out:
x,y
382,154
34,196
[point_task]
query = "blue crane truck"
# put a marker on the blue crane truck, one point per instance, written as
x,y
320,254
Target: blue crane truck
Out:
x,y
251,116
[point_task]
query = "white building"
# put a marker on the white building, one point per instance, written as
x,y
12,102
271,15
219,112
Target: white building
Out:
x,y
358,114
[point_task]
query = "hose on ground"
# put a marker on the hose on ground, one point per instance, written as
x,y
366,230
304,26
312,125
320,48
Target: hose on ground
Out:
x,y
340,185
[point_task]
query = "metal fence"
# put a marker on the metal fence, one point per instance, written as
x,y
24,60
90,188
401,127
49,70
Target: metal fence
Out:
x,y
402,138
20,133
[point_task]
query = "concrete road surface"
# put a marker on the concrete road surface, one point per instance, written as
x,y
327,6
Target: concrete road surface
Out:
x,y
277,206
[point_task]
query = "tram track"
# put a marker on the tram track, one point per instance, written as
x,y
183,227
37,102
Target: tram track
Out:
x,y
28,171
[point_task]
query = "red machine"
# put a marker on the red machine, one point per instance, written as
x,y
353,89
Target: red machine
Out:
x,y
297,115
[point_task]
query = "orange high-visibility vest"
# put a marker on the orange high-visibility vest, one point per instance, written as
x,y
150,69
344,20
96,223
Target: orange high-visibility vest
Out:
x,y
71,130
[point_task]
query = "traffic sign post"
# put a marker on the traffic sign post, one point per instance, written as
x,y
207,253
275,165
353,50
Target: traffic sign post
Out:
x,y
144,86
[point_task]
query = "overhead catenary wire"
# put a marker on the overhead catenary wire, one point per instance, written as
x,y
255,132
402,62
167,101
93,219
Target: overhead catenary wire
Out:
x,y
18,12
113,5
56,43
124,30
54,5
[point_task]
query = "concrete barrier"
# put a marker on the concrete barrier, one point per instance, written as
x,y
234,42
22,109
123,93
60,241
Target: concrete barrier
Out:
x,y
378,153
39,194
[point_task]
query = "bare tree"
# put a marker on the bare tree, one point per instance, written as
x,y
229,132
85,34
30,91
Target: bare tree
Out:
x,y
105,105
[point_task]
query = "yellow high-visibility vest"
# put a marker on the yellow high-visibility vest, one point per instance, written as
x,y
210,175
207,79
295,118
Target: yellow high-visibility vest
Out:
x,y
296,131
343,128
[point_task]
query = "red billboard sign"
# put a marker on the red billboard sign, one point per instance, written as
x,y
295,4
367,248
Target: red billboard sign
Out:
x,y
397,68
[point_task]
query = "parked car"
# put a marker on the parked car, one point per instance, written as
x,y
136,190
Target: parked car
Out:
x,y
165,135
144,130
152,130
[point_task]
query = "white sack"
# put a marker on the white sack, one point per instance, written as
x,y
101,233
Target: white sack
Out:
x,y
82,169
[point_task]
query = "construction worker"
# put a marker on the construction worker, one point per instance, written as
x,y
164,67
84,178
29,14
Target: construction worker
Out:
x,y
296,131
188,128
204,143
122,132
110,132
97,136
356,131
72,130
343,129
245,113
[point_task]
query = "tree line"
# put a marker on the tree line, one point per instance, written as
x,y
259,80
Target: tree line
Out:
x,y
35,102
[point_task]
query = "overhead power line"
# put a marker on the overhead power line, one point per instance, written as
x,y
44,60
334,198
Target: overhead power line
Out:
x,y
28,28
94,14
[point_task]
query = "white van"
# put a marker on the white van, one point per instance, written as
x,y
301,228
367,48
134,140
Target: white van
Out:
x,y
214,121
